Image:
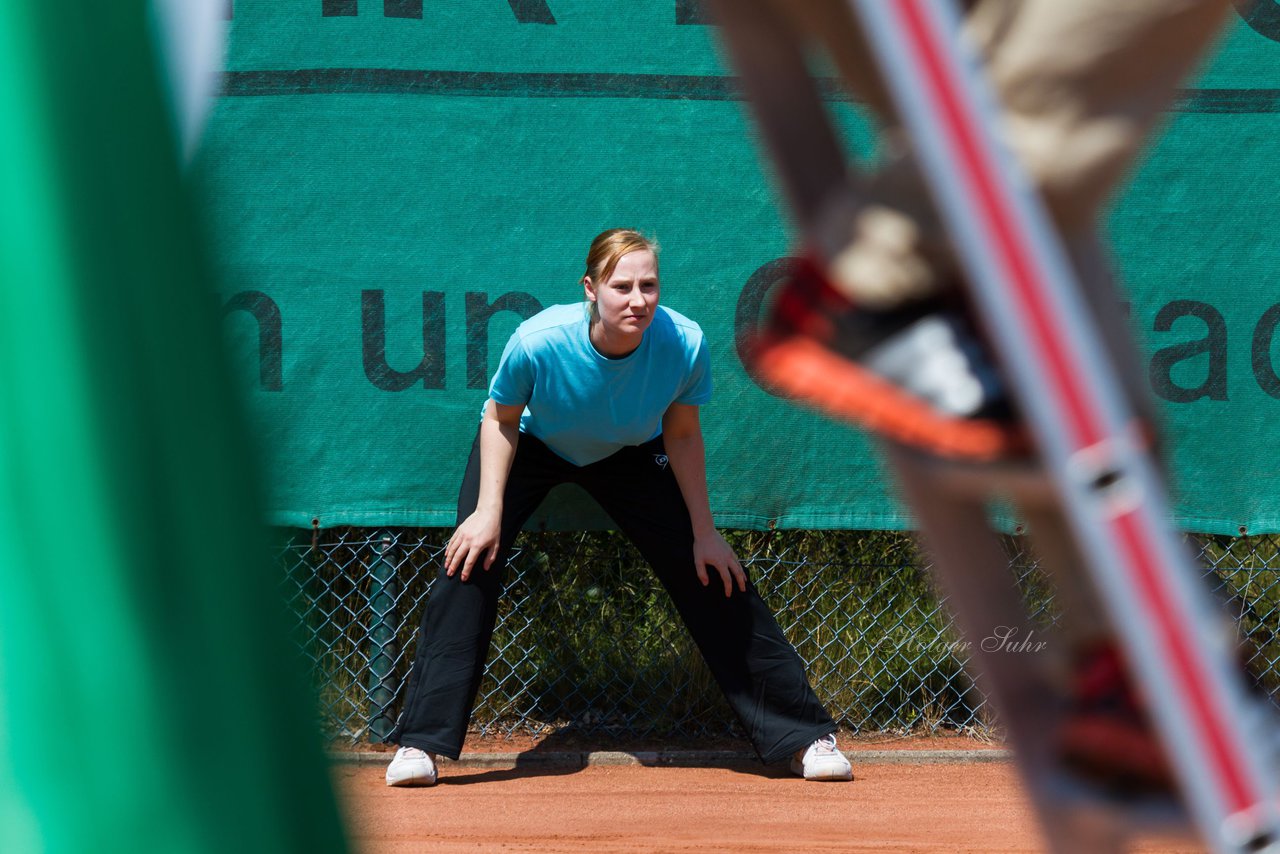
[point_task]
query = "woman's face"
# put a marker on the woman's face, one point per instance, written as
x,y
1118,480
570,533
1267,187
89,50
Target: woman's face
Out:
x,y
626,302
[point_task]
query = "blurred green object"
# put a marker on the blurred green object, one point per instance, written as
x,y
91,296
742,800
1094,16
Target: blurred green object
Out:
x,y
150,699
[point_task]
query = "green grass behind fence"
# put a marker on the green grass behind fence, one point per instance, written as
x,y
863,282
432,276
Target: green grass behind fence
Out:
x,y
588,641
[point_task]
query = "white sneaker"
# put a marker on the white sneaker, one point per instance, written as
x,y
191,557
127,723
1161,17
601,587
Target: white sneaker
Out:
x,y
822,761
411,767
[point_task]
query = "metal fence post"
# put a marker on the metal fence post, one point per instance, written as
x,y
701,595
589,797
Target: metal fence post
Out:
x,y
384,626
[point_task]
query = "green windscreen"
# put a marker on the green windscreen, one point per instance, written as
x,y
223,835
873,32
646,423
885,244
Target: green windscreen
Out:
x,y
398,184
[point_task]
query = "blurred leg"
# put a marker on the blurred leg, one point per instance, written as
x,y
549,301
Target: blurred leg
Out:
x,y
1083,84
767,51
872,231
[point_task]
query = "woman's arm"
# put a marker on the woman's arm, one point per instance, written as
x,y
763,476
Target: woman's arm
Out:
x,y
479,534
682,437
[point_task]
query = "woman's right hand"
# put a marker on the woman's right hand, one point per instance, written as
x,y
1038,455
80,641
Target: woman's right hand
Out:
x,y
476,539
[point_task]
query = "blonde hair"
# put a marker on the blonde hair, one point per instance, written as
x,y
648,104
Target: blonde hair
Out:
x,y
609,247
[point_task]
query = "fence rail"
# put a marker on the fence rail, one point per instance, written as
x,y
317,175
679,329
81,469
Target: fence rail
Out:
x,y
587,641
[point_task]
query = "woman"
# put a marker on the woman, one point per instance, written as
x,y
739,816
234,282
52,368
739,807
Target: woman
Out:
x,y
606,396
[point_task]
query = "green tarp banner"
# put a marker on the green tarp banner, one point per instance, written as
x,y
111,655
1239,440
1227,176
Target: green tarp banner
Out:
x,y
398,183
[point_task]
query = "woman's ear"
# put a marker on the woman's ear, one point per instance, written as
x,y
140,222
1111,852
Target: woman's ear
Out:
x,y
589,288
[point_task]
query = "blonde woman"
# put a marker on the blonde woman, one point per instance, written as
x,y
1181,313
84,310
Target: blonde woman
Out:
x,y
605,395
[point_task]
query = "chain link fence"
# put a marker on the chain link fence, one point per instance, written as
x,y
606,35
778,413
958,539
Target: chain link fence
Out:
x,y
587,641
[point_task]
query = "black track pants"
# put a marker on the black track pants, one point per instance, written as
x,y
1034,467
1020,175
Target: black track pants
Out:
x,y
761,675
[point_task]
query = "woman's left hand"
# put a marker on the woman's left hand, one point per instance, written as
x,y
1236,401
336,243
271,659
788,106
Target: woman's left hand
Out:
x,y
711,550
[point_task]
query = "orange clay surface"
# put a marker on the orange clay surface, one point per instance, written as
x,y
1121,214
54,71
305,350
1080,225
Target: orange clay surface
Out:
x,y
730,806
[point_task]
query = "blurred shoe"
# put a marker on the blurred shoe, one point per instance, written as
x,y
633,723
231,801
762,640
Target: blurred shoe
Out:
x,y
919,375
1107,736
411,767
822,760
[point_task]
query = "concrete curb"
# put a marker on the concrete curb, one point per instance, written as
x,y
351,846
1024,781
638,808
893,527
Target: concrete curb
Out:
x,y
674,758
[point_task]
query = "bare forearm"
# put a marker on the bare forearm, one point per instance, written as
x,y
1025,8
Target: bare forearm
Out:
x,y
687,457
498,442
682,436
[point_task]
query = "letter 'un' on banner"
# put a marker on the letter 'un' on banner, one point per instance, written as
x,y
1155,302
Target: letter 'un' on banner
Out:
x,y
398,184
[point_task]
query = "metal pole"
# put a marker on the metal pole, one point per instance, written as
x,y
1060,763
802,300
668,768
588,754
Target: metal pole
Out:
x,y
384,627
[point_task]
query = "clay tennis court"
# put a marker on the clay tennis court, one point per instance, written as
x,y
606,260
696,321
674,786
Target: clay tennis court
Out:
x,y
963,802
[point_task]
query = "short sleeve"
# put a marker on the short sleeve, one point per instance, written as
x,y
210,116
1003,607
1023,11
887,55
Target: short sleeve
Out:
x,y
697,388
512,383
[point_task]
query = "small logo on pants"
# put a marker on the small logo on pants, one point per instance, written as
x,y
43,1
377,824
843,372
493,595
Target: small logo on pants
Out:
x,y
661,460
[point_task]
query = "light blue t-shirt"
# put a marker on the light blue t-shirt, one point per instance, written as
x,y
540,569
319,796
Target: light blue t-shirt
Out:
x,y
585,406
